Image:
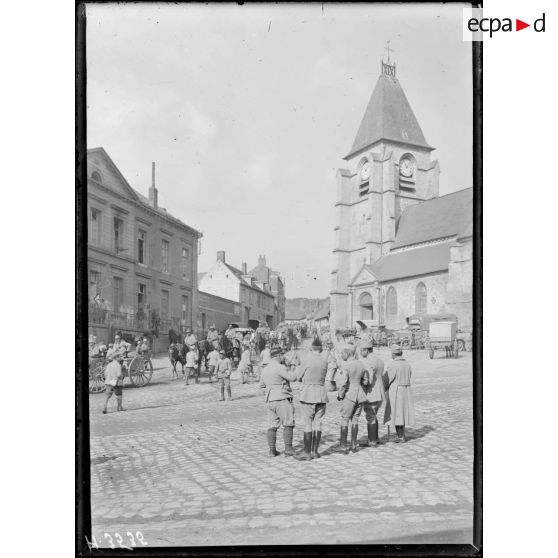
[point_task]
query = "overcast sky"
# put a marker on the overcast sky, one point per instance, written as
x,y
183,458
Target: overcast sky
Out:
x,y
248,111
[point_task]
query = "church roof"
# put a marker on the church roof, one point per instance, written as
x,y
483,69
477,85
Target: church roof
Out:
x,y
442,217
388,116
431,258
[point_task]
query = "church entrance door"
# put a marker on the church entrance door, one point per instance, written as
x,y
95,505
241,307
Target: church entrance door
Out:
x,y
366,306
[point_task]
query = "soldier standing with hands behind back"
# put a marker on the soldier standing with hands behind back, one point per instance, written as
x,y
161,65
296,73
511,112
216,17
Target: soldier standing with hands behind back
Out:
x,y
313,399
375,393
275,380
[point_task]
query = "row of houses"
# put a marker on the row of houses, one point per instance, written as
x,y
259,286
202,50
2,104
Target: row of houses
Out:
x,y
143,267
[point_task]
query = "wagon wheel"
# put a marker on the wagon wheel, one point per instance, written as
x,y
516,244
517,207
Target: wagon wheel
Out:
x,y
140,371
456,349
97,377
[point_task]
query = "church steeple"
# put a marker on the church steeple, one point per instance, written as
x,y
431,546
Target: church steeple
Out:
x,y
388,116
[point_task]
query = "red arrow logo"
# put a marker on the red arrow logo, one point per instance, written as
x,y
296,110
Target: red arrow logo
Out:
x,y
519,25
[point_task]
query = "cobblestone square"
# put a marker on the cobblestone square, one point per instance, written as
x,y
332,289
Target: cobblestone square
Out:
x,y
185,469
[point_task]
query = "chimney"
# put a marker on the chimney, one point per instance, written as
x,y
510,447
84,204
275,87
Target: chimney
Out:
x,y
261,261
153,194
244,268
221,256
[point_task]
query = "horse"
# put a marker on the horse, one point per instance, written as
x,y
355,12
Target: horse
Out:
x,y
177,354
232,349
204,348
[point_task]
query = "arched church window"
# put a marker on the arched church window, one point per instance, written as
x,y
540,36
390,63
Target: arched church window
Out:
x,y
96,175
391,302
420,299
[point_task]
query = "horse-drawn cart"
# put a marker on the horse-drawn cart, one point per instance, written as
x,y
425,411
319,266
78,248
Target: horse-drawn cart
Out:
x,y
139,370
443,336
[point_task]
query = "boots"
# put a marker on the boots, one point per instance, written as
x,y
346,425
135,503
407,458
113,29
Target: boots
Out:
x,y
343,440
354,438
271,440
373,438
288,439
316,436
306,456
400,434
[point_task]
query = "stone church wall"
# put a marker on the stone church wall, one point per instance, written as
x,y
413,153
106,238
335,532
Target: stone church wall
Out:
x,y
435,295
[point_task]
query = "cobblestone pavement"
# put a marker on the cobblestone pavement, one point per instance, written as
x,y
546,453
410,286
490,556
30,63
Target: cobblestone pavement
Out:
x,y
185,469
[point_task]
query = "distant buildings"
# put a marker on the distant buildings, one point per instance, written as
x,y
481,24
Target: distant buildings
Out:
x,y
142,261
255,297
142,266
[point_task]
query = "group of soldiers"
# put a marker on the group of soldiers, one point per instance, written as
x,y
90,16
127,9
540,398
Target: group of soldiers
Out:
x,y
362,384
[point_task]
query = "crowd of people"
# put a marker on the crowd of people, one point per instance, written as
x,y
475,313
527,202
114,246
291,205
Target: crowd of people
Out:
x,y
361,380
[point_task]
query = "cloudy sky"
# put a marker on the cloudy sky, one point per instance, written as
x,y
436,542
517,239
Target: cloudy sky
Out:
x,y
248,111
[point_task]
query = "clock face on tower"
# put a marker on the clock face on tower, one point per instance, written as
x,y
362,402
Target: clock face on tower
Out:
x,y
407,167
365,171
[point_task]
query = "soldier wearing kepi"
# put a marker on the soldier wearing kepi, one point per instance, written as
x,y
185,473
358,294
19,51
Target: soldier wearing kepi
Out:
x,y
400,409
275,380
353,396
313,399
375,393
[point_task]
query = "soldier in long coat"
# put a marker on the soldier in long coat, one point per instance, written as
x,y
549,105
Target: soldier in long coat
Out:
x,y
313,399
400,409
275,381
375,394
353,396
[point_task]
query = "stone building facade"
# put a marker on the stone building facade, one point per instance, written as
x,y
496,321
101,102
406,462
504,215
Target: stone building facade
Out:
x,y
256,300
142,261
264,274
214,310
400,248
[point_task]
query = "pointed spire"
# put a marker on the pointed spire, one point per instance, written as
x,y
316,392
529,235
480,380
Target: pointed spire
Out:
x,y
388,116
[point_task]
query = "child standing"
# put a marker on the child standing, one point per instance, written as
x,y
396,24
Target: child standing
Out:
x,y
191,365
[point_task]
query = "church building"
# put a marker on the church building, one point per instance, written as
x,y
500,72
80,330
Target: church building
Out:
x,y
400,248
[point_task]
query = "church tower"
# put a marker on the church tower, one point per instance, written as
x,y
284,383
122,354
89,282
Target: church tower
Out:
x,y
388,168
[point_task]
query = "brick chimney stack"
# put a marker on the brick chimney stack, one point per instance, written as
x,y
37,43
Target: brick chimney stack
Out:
x,y
221,256
261,261
244,268
153,194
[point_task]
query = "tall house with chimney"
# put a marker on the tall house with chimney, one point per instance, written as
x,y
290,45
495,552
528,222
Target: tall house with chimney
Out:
x,y
265,274
400,249
142,261
254,297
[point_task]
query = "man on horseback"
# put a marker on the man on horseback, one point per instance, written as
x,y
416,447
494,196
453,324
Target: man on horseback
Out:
x,y
212,336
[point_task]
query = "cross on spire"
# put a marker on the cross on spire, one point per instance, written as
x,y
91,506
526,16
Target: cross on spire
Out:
x,y
388,49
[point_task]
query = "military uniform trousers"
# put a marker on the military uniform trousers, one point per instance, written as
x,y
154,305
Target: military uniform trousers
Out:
x,y
350,411
371,411
280,413
312,415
